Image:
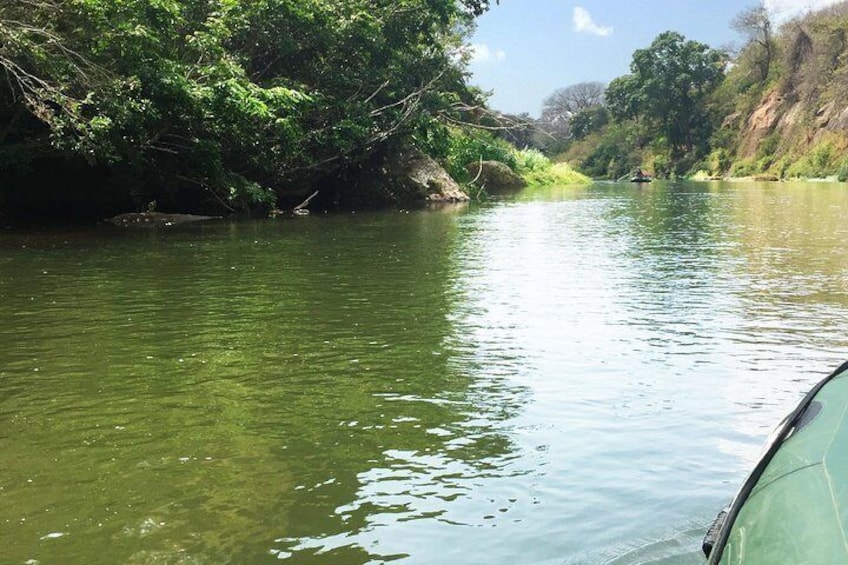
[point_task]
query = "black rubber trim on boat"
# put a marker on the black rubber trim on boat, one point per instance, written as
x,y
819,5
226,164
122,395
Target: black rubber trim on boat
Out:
x,y
749,484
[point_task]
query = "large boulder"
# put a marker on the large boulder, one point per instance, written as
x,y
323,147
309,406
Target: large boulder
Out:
x,y
399,176
494,177
412,177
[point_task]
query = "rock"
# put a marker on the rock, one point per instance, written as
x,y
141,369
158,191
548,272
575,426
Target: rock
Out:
x,y
761,123
156,219
495,177
414,176
399,176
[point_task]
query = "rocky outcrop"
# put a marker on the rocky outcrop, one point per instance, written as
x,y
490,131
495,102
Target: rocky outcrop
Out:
x,y
800,124
495,177
399,176
413,176
761,123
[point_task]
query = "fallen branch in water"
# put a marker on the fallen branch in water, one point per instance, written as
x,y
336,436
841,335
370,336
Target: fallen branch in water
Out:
x,y
305,203
480,171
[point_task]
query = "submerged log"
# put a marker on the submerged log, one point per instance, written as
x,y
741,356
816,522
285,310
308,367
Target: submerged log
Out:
x,y
156,219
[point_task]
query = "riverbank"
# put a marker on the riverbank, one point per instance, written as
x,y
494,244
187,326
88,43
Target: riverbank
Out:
x,y
396,176
702,176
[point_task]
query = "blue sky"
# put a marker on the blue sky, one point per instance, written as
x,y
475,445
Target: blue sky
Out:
x,y
526,49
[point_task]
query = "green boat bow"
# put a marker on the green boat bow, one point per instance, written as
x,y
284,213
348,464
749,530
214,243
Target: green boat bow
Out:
x,y
793,507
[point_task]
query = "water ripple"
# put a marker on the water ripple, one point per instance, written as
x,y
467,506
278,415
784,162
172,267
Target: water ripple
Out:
x,y
577,376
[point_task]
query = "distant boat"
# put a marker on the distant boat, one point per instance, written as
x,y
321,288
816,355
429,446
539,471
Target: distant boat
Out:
x,y
793,505
640,176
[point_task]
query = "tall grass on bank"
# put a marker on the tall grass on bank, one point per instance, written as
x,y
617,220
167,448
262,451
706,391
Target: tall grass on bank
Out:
x,y
460,148
537,170
465,146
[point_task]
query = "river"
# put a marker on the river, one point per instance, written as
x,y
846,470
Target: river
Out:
x,y
576,375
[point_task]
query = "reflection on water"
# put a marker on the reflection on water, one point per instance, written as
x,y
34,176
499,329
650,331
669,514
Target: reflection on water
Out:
x,y
580,375
235,392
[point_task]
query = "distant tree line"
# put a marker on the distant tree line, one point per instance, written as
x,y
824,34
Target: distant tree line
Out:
x,y
684,106
606,128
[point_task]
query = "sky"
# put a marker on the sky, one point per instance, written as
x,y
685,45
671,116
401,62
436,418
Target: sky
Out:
x,y
523,50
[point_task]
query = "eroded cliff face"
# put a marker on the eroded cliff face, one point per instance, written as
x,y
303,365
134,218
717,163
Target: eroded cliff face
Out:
x,y
831,117
800,126
762,122
805,109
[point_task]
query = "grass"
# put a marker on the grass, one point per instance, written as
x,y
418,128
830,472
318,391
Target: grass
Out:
x,y
537,170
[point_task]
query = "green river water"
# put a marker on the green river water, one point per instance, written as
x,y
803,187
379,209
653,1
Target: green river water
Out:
x,y
577,375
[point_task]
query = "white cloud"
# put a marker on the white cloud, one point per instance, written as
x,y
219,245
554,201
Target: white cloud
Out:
x,y
482,53
782,10
583,23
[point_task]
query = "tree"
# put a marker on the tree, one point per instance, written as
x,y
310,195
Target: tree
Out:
x,y
590,120
755,24
559,108
563,103
477,7
41,72
225,101
521,130
667,88
609,153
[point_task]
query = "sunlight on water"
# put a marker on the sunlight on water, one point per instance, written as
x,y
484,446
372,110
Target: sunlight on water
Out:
x,y
579,375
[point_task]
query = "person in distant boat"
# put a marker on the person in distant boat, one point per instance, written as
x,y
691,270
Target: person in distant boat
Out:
x,y
638,173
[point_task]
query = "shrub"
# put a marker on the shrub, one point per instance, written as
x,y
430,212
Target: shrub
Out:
x,y
842,173
558,174
768,146
471,146
719,161
661,165
743,169
821,161
531,160
537,170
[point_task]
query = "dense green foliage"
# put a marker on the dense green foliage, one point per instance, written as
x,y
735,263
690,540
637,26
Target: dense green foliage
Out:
x,y
657,117
466,146
588,121
537,170
667,88
237,101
